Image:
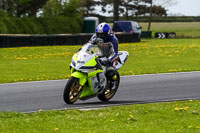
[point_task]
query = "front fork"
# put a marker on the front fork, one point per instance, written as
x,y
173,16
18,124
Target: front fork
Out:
x,y
83,78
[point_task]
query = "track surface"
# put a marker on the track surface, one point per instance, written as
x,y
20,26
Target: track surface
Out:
x,y
46,95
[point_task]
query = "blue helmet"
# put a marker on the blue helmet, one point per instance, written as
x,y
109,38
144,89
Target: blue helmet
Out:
x,y
102,30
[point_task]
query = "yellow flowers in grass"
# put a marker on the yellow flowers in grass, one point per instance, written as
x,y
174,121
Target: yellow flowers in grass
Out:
x,y
130,115
181,109
21,58
132,118
67,76
189,126
198,127
131,73
38,56
100,114
18,80
172,70
56,129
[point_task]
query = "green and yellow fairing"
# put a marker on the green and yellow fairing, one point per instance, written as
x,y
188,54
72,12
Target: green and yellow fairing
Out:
x,y
86,76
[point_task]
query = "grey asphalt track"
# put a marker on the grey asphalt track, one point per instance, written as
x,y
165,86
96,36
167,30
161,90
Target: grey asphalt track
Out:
x,y
47,95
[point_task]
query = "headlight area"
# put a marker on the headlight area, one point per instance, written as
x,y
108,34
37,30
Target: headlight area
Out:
x,y
73,63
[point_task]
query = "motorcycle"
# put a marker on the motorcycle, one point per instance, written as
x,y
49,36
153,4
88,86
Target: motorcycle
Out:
x,y
88,75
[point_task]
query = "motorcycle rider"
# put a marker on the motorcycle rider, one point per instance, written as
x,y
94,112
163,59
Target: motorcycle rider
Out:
x,y
108,44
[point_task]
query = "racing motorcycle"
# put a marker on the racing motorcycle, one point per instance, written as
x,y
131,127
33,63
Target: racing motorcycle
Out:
x,y
89,76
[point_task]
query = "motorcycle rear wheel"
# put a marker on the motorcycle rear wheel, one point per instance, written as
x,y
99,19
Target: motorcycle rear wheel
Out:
x,y
72,91
109,93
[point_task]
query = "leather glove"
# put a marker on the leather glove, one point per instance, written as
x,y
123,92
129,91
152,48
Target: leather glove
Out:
x,y
104,61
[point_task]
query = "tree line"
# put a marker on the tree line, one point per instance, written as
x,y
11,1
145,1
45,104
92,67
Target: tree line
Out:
x,y
36,8
46,12
40,17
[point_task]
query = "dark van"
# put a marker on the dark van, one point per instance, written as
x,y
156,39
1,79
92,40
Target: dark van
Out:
x,y
128,27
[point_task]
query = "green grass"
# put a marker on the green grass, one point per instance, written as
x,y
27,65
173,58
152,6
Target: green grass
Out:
x,y
182,29
182,116
162,56
148,56
35,63
52,62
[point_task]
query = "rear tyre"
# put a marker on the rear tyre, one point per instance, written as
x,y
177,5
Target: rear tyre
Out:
x,y
72,91
108,93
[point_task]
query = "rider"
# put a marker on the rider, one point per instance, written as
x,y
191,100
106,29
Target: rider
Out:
x,y
109,47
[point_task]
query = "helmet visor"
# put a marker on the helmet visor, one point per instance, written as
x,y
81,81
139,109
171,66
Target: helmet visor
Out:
x,y
101,35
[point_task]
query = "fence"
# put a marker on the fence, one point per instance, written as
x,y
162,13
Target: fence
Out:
x,y
20,40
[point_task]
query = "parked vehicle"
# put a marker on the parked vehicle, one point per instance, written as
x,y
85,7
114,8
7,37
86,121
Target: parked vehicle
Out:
x,y
88,75
128,27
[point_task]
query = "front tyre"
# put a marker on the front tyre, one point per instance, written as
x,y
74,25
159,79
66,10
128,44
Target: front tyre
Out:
x,y
108,93
72,90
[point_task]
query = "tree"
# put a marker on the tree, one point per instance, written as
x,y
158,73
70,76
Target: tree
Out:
x,y
29,7
128,5
52,8
6,5
134,7
151,8
116,4
113,3
71,8
60,8
159,11
125,7
150,17
104,4
21,8
88,6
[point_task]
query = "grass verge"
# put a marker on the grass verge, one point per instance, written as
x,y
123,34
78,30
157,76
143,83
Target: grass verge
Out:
x,y
51,62
181,116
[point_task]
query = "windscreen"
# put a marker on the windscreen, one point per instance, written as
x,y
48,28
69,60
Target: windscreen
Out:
x,y
91,49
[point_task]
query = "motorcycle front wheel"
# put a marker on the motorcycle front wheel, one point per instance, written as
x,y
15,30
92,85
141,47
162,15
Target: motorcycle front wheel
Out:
x,y
108,93
72,91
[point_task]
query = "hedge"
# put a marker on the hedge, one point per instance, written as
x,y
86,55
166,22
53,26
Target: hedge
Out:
x,y
43,25
157,19
168,19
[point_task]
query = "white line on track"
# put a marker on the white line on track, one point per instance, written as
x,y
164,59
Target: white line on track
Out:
x,y
162,74
30,82
95,107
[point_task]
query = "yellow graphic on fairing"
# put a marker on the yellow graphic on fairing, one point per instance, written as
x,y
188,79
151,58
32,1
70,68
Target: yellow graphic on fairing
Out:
x,y
91,62
75,57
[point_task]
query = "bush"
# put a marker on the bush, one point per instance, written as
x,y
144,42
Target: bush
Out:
x,y
3,28
43,25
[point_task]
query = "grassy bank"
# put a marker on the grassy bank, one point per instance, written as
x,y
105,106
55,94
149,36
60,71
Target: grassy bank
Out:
x,y
182,29
51,62
149,118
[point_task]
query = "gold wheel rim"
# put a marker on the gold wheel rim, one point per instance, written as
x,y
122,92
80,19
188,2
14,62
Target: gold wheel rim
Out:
x,y
75,91
109,93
